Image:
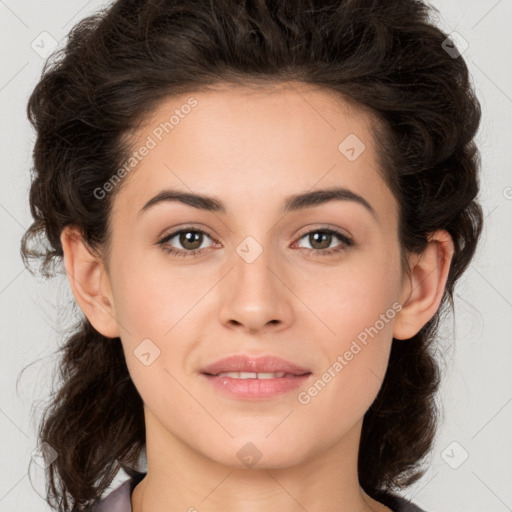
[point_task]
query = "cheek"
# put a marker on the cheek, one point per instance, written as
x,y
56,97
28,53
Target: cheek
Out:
x,y
356,311
156,306
354,365
352,296
152,299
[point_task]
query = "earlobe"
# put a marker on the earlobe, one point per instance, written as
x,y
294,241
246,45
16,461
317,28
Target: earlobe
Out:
x,y
89,282
423,290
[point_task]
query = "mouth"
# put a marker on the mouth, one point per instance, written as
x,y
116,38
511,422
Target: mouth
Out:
x,y
255,378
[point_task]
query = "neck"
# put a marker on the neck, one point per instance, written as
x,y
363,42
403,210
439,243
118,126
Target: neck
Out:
x,y
180,478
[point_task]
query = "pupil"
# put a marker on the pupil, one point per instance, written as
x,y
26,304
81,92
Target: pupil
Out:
x,y
187,238
326,240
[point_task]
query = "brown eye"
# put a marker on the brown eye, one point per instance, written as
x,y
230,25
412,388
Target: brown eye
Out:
x,y
191,239
320,241
184,242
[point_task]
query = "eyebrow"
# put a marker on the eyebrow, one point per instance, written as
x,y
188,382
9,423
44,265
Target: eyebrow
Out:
x,y
292,203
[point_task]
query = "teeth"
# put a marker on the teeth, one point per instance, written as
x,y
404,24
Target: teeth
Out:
x,y
253,375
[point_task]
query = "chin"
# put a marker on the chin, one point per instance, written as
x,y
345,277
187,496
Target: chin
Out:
x,y
251,452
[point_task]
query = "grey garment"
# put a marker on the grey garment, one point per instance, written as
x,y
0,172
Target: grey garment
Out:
x,y
119,500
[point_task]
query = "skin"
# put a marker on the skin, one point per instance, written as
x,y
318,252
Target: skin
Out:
x,y
251,150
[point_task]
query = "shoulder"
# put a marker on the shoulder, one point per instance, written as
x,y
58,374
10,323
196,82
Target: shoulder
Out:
x,y
119,500
399,504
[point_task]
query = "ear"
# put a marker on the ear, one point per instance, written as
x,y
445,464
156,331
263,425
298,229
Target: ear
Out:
x,y
423,288
89,282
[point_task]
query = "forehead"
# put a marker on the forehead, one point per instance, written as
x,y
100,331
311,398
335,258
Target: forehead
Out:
x,y
255,143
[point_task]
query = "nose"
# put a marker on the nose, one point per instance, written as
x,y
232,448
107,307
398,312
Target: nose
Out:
x,y
255,295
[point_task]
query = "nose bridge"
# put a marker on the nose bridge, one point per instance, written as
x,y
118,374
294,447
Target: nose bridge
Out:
x,y
253,261
255,296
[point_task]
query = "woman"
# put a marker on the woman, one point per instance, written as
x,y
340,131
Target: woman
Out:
x,y
186,151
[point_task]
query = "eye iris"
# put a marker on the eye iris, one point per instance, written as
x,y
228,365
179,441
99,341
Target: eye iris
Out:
x,y
313,238
191,237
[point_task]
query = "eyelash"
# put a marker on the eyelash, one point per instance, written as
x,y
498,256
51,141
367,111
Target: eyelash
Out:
x,y
346,242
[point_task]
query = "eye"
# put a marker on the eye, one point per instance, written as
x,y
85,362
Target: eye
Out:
x,y
321,239
191,239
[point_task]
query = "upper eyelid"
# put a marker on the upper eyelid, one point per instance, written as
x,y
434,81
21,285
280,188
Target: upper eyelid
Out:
x,y
172,234
325,227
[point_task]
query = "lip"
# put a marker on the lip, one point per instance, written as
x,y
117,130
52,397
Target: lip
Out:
x,y
253,388
261,364
256,389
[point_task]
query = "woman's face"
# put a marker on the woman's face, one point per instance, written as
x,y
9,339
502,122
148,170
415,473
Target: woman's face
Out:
x,y
266,278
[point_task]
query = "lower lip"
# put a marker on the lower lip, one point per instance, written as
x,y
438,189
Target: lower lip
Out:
x,y
256,389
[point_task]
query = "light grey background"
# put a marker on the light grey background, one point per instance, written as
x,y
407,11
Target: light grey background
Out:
x,y
476,395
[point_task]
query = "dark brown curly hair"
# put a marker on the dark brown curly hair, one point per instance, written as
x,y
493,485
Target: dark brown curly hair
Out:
x,y
119,64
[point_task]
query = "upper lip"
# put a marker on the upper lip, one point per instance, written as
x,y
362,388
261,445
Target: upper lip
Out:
x,y
261,364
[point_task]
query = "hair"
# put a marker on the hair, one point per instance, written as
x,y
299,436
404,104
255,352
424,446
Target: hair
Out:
x,y
387,58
